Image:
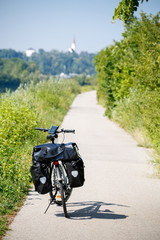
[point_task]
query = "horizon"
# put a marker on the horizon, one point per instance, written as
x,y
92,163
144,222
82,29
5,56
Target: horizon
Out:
x,y
61,51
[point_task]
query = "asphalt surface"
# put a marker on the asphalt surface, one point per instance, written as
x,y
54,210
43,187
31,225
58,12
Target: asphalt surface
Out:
x,y
120,199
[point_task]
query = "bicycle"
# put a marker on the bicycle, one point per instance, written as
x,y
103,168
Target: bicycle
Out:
x,y
52,168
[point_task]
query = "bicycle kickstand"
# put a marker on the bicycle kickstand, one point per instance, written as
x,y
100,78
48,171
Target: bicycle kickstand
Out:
x,y
49,205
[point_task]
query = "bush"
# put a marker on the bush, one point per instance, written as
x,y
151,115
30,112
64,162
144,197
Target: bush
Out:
x,y
129,78
43,104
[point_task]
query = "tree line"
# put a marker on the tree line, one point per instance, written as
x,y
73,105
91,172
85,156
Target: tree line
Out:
x,y
55,62
17,68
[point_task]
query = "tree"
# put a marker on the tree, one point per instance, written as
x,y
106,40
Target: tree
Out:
x,y
15,71
54,62
10,53
131,65
125,10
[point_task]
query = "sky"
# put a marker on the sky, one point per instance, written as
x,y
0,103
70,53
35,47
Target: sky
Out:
x,y
52,24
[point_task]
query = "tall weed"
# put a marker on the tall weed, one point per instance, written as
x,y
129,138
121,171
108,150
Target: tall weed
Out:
x,y
43,105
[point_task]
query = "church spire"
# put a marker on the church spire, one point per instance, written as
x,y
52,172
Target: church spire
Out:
x,y
73,46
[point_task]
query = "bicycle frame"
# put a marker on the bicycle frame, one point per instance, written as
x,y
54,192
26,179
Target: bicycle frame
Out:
x,y
56,163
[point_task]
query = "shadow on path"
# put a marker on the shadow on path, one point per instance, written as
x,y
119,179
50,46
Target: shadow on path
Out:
x,y
32,196
91,209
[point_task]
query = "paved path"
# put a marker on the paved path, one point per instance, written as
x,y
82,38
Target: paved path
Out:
x,y
120,199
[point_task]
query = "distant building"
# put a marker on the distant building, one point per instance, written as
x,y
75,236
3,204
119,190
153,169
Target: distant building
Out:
x,y
70,75
30,51
73,46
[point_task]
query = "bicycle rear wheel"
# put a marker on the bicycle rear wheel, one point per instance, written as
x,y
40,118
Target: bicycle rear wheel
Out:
x,y
67,190
63,199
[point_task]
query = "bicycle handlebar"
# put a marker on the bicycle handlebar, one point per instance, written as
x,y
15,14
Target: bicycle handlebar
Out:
x,y
66,131
42,129
53,132
57,131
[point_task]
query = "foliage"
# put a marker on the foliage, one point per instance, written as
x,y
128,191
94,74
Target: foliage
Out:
x,y
125,10
15,71
10,53
129,78
53,98
16,68
8,82
17,120
85,80
55,62
43,105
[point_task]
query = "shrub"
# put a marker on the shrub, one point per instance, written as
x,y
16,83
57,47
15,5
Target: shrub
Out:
x,y
129,78
43,104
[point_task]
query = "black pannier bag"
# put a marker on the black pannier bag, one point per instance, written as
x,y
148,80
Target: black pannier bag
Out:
x,y
41,177
75,172
45,153
70,151
49,152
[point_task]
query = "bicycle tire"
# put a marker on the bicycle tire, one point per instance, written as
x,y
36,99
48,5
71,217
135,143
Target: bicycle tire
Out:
x,y
54,183
63,199
66,187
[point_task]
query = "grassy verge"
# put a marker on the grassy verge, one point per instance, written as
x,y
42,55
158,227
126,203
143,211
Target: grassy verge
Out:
x,y
141,118
44,104
88,88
